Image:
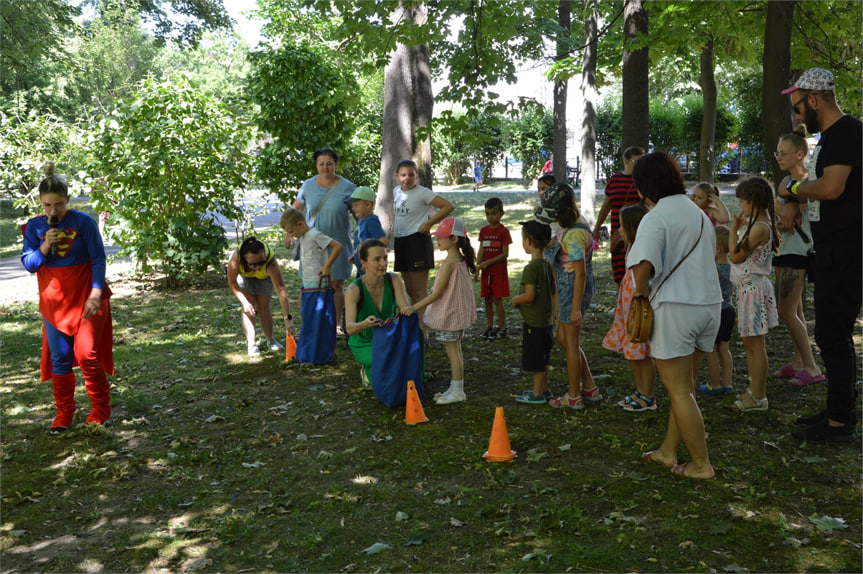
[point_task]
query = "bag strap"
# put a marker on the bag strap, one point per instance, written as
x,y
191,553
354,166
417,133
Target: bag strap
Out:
x,y
688,253
803,235
321,206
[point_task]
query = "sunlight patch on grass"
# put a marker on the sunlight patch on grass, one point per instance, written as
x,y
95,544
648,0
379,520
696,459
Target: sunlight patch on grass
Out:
x,y
364,480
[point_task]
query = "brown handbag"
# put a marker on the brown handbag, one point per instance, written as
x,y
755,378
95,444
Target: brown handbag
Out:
x,y
639,320
615,243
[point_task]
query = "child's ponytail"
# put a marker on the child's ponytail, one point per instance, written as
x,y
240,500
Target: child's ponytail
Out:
x,y
467,252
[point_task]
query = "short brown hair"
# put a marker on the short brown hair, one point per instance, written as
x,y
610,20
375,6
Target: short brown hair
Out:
x,y
290,217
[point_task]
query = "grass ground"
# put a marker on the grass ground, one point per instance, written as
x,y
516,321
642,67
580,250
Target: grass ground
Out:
x,y
219,462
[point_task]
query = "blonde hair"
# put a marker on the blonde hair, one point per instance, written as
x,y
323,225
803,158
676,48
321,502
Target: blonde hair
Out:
x,y
708,188
290,217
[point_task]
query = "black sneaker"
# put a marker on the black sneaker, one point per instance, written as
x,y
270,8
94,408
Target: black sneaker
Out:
x,y
813,419
501,334
488,333
823,432
492,335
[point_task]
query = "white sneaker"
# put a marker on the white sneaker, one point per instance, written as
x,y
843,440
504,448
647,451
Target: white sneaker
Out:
x,y
275,345
364,380
451,397
254,351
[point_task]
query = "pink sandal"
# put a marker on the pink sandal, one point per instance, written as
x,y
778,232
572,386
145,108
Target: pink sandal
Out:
x,y
803,378
787,371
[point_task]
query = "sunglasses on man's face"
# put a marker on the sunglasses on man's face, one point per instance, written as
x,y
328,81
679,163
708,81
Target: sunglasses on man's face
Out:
x,y
800,101
255,264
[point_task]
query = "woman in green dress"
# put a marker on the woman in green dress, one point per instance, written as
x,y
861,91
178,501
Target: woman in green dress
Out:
x,y
378,296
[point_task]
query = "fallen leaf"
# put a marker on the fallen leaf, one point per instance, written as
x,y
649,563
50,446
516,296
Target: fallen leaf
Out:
x,y
376,547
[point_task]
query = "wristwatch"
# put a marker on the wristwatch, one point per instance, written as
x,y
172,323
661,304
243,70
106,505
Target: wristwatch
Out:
x,y
290,317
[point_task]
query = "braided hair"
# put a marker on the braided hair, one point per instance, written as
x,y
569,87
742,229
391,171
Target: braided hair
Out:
x,y
758,192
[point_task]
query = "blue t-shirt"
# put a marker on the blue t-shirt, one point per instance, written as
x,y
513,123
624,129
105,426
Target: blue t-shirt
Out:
x,y
368,227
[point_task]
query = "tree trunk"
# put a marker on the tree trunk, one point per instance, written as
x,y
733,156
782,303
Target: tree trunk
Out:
x,y
588,122
564,13
776,66
635,114
408,104
707,149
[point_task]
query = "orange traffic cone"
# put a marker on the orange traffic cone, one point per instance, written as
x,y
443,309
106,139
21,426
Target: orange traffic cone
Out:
x,y
290,347
414,413
498,447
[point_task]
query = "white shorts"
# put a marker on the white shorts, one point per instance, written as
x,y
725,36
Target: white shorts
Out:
x,y
679,329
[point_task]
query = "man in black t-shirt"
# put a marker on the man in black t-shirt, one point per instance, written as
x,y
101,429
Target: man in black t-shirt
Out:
x,y
835,207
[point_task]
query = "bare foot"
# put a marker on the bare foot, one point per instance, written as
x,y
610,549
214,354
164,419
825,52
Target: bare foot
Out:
x,y
688,470
656,457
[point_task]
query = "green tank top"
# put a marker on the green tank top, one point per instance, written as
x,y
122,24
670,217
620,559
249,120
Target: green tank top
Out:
x,y
367,308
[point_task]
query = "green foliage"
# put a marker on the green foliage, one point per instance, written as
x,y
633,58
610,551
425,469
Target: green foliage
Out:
x,y
529,136
690,132
166,162
34,39
26,143
609,136
452,153
829,35
361,161
307,102
218,64
113,55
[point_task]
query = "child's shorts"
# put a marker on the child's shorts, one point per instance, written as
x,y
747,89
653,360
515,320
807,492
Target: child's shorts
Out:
x,y
255,286
536,346
726,324
449,336
494,285
566,288
414,253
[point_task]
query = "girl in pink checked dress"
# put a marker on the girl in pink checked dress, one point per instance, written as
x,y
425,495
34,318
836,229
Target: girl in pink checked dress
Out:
x,y
638,354
451,305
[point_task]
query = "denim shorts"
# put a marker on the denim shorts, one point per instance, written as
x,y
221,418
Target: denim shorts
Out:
x,y
565,287
255,286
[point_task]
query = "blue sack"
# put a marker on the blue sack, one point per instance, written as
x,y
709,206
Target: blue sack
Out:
x,y
397,357
317,340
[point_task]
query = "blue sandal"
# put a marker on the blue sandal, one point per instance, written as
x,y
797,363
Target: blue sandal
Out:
x,y
706,389
640,403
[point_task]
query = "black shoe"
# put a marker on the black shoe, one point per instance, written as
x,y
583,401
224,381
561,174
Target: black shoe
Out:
x,y
813,419
823,432
501,334
487,333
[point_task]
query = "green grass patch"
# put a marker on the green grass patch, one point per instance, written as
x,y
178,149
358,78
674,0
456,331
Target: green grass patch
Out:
x,y
220,462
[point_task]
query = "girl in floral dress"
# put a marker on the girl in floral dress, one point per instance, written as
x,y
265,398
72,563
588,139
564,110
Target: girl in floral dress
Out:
x,y
750,258
638,354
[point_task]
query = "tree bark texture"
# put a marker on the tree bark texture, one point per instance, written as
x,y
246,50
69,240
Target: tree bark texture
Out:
x,y
588,122
707,149
776,70
564,16
636,98
408,105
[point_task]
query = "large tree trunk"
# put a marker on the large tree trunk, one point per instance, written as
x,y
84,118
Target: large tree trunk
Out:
x,y
408,104
707,149
636,99
564,14
776,66
588,122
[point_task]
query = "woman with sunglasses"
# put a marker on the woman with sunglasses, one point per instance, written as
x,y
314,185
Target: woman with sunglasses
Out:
x,y
252,272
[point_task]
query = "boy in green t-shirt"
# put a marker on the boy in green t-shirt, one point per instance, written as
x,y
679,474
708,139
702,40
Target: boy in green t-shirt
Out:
x,y
536,304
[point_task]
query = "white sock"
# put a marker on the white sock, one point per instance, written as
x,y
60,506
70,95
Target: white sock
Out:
x,y
456,386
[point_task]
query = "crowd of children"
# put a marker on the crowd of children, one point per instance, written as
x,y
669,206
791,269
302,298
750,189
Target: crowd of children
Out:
x,y
556,287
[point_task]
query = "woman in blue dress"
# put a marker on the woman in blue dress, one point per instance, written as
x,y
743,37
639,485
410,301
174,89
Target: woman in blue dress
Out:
x,y
322,199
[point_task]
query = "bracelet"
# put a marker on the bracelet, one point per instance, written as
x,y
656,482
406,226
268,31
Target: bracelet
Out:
x,y
792,186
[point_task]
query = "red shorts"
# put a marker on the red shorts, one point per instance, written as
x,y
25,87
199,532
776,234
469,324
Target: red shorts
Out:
x,y
494,285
